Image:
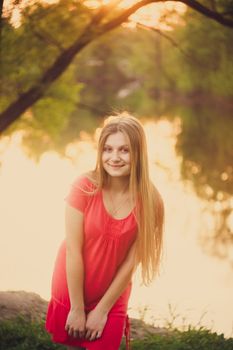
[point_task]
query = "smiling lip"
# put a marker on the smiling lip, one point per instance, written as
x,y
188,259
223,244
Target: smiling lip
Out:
x,y
115,166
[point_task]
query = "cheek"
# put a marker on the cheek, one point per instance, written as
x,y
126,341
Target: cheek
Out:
x,y
127,158
104,157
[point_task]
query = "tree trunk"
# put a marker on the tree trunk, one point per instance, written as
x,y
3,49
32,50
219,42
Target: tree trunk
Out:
x,y
93,31
28,98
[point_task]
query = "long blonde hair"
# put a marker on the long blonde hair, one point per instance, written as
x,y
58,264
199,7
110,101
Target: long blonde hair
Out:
x,y
149,204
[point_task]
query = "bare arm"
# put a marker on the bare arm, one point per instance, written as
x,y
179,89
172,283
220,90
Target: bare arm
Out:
x,y
75,324
97,318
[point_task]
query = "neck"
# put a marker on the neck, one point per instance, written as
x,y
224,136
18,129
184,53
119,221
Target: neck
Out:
x,y
118,184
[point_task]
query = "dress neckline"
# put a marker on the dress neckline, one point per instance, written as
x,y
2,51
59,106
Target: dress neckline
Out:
x,y
108,214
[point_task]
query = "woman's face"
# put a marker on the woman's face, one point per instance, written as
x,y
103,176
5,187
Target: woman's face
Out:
x,y
116,155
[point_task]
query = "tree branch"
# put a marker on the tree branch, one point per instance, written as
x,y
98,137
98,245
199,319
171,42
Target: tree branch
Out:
x,y
27,99
46,38
167,37
94,30
197,6
1,7
175,44
1,20
212,5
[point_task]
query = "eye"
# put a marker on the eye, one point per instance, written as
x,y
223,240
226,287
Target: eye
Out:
x,y
107,149
124,150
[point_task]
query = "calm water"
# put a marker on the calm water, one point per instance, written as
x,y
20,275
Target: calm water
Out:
x,y
193,287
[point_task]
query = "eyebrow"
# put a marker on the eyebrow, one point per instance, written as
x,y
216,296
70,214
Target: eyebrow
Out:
x,y
106,144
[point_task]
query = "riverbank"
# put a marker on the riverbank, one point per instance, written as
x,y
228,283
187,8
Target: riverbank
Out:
x,y
22,328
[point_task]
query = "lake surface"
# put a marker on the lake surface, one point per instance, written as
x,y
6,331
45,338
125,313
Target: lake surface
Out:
x,y
193,287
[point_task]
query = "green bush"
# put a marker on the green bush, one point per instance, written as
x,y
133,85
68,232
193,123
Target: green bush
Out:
x,y
192,339
20,334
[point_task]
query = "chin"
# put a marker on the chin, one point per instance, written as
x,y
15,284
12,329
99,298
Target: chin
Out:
x,y
117,172
118,175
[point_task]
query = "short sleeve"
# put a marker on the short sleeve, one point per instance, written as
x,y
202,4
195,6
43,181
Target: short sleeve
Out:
x,y
80,192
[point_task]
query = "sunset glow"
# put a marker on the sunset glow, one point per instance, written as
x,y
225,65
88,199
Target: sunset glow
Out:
x,y
161,15
32,223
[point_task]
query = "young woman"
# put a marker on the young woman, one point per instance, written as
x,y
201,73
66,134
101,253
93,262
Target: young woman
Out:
x,y
114,222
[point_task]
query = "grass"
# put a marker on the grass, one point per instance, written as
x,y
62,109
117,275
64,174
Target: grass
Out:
x,y
20,334
191,339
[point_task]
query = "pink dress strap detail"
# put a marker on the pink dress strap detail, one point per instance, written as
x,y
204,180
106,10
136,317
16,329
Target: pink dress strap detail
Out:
x,y
127,332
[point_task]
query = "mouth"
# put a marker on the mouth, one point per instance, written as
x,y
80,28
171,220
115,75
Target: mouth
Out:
x,y
116,166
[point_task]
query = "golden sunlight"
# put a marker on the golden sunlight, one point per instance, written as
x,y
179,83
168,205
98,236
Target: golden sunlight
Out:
x,y
32,223
162,15
14,9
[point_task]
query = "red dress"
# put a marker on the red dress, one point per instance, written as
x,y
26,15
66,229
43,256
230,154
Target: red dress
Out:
x,y
106,243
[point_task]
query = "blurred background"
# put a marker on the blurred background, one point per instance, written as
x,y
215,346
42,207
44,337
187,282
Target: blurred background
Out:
x,y
67,64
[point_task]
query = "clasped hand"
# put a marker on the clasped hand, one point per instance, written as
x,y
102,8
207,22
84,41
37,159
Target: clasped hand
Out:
x,y
90,326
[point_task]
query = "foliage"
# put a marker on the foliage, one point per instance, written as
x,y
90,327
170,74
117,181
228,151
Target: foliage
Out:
x,y
20,334
205,69
137,69
205,147
29,50
206,131
192,339
115,73
58,104
128,68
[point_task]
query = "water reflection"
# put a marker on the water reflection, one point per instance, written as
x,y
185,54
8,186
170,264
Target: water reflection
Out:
x,y
205,144
32,227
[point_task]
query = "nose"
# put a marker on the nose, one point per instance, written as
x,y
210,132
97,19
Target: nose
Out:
x,y
115,156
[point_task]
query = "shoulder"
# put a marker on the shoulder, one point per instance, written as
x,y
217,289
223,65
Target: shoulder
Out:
x,y
85,182
81,191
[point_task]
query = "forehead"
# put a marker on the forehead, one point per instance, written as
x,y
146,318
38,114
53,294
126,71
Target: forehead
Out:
x,y
117,139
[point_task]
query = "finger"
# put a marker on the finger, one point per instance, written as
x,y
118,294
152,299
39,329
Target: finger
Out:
x,y
82,334
70,331
98,335
67,327
93,336
88,334
76,334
